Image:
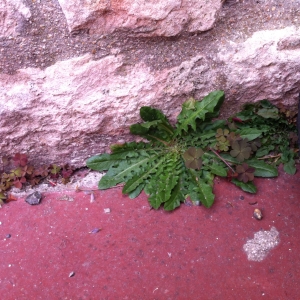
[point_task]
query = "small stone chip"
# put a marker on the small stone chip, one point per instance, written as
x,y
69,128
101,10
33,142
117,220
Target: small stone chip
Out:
x,y
72,274
34,198
95,230
257,214
107,210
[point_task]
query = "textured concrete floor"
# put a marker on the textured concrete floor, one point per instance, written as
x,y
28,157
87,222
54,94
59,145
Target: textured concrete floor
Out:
x,y
55,250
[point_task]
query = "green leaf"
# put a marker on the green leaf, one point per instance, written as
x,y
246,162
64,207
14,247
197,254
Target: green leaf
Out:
x,y
155,202
245,115
108,181
286,155
149,114
120,152
269,113
192,110
229,158
262,169
156,127
202,191
127,169
137,191
211,125
217,170
139,129
263,151
175,199
247,187
208,134
100,162
166,178
208,177
266,104
138,179
290,167
152,134
157,131
250,133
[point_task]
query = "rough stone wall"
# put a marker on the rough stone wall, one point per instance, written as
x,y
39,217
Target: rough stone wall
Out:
x,y
74,73
140,17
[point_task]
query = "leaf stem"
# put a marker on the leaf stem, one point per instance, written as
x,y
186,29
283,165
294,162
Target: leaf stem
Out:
x,y
223,160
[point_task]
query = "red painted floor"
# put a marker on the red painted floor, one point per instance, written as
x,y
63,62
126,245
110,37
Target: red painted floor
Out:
x,y
191,253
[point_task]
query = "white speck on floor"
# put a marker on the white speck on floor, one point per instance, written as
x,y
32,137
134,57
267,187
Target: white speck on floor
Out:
x,y
263,241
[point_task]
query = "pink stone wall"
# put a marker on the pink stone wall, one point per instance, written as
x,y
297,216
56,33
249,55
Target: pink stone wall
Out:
x,y
73,74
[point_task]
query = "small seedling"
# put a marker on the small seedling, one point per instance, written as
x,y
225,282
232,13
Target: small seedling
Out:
x,y
16,172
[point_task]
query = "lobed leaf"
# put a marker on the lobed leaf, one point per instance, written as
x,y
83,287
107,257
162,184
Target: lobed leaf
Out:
x,y
205,109
156,126
137,191
201,191
100,162
161,185
149,114
140,177
175,199
120,152
127,169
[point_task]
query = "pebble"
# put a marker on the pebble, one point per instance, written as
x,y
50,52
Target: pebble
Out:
x,y
72,274
257,214
34,198
95,230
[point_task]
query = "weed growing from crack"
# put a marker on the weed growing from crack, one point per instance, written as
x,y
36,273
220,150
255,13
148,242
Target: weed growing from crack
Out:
x,y
182,161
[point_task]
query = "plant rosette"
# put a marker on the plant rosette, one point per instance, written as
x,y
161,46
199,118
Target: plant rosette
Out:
x,y
181,161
